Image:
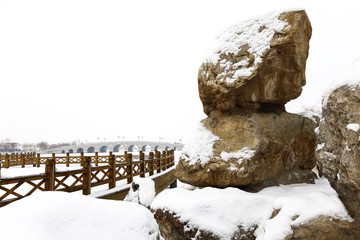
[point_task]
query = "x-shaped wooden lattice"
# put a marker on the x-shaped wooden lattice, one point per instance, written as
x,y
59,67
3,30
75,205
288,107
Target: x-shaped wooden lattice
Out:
x,y
61,182
118,169
11,191
94,175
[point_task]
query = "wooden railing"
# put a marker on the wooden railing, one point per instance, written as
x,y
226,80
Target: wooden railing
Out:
x,y
35,159
112,169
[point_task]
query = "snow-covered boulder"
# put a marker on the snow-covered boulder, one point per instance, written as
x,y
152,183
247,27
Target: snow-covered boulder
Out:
x,y
60,215
230,213
338,149
142,191
250,148
258,61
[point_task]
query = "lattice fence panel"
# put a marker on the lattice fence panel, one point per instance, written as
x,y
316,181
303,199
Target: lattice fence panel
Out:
x,y
21,189
68,180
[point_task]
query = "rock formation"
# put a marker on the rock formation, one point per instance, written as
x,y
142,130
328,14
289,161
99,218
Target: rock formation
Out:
x,y
257,62
250,148
338,149
249,139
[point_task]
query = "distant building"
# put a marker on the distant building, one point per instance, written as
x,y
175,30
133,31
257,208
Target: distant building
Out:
x,y
10,147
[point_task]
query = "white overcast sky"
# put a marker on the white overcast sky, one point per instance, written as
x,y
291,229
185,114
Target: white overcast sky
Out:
x,y
83,69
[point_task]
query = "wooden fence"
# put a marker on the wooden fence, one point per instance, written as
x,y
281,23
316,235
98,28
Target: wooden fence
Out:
x,y
107,170
34,159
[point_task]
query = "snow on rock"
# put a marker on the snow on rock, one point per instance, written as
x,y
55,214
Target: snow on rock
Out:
x,y
144,193
60,215
351,77
244,153
256,33
320,146
200,147
222,211
353,126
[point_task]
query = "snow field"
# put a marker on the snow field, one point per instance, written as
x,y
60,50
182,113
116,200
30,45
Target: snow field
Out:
x,y
60,215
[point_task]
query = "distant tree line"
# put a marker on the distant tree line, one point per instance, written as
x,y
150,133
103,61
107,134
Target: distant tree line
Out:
x,y
7,146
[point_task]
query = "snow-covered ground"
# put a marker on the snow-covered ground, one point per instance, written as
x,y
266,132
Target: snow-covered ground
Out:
x,y
59,216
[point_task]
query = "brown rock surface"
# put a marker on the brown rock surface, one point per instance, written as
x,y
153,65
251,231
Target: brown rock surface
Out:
x,y
324,228
247,69
250,148
338,150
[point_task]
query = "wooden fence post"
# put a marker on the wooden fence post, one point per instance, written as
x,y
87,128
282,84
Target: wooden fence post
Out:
x,y
53,156
172,157
81,157
38,160
96,159
110,154
67,159
164,160
151,158
12,159
86,164
158,161
22,157
168,157
112,175
7,161
142,164
50,174
129,159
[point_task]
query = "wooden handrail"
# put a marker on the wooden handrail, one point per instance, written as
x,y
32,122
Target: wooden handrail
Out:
x,y
36,160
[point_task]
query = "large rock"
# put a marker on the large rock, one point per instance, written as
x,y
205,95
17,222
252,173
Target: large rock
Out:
x,y
256,62
338,150
247,148
212,213
324,228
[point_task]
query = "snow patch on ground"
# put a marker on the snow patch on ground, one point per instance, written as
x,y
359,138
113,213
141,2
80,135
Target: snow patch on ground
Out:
x,y
60,215
351,78
200,147
353,126
244,153
144,194
256,33
221,211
